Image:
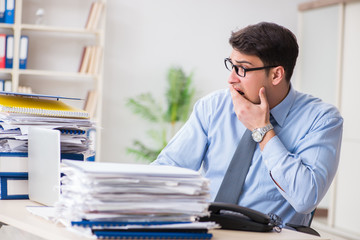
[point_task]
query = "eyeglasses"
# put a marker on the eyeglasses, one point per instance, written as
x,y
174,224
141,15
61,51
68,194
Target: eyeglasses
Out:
x,y
241,71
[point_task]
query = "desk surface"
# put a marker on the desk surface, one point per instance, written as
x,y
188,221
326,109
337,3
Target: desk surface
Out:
x,y
14,213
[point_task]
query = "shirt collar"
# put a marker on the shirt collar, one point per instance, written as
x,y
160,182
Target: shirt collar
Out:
x,y
280,111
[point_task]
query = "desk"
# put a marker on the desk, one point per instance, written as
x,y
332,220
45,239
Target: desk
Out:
x,y
14,213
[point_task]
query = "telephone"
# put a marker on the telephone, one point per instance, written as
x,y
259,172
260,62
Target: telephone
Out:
x,y
234,217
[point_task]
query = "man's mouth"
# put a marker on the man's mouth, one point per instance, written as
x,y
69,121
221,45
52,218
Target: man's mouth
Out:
x,y
241,93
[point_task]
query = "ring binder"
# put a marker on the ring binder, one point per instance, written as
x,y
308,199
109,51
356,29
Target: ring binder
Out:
x,y
151,235
6,189
38,105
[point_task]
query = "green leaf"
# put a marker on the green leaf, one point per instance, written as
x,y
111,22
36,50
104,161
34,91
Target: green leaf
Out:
x,y
179,96
145,106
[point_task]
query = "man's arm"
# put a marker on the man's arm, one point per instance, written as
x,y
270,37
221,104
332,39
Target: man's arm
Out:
x,y
304,175
186,149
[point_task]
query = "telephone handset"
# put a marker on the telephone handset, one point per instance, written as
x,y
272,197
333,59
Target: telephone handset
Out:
x,y
234,217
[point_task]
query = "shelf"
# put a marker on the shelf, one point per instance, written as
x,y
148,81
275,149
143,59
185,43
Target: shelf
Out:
x,y
57,29
6,25
5,71
42,77
46,73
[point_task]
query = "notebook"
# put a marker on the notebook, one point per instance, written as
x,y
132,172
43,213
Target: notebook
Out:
x,y
37,104
44,165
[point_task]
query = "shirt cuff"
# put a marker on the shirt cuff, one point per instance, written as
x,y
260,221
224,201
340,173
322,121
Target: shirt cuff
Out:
x,y
273,152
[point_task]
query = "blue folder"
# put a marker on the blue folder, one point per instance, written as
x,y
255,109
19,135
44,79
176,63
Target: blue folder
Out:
x,y
151,235
107,229
5,177
9,11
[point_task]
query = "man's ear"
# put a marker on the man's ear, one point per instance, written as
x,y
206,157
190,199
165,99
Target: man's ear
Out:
x,y
278,74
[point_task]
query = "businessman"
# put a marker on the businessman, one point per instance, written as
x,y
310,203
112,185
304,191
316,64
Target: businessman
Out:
x,y
297,136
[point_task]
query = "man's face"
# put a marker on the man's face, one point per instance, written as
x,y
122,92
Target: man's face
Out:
x,y
249,85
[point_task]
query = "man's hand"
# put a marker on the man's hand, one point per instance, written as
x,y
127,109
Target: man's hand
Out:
x,y
250,114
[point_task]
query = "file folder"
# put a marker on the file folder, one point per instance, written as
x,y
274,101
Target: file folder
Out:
x,y
14,185
151,235
13,162
23,54
9,51
2,50
2,11
10,11
145,230
36,104
2,84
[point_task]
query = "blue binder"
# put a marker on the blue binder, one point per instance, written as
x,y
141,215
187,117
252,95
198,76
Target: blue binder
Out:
x,y
2,84
4,188
9,51
2,11
24,44
10,11
87,223
107,229
151,235
13,154
71,156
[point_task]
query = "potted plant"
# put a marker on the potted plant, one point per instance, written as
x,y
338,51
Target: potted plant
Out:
x,y
168,120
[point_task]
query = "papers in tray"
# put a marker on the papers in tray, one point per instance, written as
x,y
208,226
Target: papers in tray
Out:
x,y
19,112
14,130
131,196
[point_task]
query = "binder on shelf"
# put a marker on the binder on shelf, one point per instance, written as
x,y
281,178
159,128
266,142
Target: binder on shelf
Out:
x,y
90,60
8,85
13,162
10,11
2,11
94,15
97,15
2,50
24,89
2,85
9,51
91,13
36,104
23,54
90,102
14,185
95,60
84,65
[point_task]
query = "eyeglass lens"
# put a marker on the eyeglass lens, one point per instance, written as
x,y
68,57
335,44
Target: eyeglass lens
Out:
x,y
229,65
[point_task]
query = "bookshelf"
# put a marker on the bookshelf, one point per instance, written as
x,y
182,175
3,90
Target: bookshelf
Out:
x,y
55,50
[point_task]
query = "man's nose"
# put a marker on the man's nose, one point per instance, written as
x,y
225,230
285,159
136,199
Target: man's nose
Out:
x,y
233,78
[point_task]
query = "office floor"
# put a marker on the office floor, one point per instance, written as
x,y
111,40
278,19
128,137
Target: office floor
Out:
x,y
10,233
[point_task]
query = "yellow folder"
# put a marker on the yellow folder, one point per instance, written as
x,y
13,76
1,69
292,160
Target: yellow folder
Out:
x,y
39,106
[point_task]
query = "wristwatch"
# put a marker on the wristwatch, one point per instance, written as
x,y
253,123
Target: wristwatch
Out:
x,y
259,133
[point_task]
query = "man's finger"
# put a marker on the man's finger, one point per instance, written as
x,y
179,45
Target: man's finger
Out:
x,y
235,94
262,95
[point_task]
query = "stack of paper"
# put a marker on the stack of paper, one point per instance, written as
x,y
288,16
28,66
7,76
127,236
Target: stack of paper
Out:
x,y
124,198
18,112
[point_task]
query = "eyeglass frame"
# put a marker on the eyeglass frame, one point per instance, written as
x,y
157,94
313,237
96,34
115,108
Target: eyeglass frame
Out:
x,y
245,69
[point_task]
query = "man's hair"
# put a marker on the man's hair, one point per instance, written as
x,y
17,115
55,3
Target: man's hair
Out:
x,y
273,44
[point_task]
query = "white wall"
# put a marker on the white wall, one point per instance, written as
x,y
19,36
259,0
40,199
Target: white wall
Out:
x,y
144,38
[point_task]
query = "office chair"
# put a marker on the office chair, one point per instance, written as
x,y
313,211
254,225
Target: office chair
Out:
x,y
305,229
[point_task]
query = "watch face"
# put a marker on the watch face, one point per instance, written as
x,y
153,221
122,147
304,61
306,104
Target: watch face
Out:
x,y
257,136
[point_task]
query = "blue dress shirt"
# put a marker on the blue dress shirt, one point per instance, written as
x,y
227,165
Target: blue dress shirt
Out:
x,y
302,158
